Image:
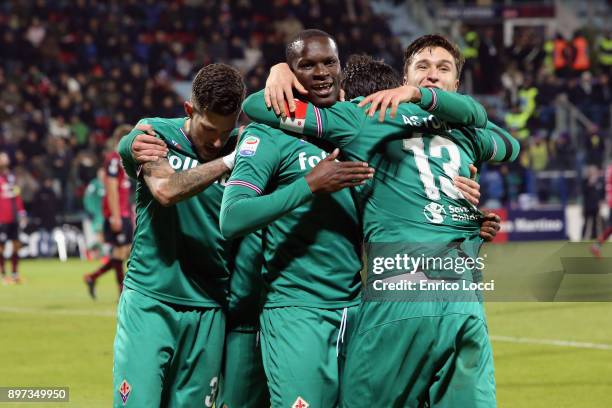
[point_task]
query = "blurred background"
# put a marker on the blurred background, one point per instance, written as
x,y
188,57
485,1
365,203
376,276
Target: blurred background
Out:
x,y
71,71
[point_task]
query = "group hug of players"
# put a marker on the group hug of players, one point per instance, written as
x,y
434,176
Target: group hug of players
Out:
x,y
243,286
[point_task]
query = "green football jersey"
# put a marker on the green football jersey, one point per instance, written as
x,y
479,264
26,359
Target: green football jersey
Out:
x,y
416,155
246,289
178,254
92,202
311,243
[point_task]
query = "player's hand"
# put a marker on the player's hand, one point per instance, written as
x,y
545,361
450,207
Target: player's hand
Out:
x,y
115,224
489,226
468,186
146,147
330,175
390,98
279,89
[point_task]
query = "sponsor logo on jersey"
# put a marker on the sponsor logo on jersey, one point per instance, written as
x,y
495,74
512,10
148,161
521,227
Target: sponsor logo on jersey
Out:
x,y
297,120
312,161
434,212
300,403
185,164
249,146
124,391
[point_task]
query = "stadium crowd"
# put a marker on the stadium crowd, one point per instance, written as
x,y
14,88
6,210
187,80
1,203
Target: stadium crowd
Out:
x,y
70,72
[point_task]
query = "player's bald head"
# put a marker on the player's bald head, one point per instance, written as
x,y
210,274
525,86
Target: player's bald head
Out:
x,y
295,46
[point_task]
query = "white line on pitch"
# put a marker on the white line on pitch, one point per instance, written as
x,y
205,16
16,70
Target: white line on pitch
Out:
x,y
506,339
550,342
60,312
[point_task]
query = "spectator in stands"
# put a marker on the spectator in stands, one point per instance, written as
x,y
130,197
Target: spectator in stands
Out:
x,y
592,194
44,211
563,56
28,186
595,148
604,52
580,49
601,100
511,80
548,90
74,70
563,156
61,161
489,60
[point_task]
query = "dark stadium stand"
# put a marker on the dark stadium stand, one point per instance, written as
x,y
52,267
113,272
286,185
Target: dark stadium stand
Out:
x,y
72,71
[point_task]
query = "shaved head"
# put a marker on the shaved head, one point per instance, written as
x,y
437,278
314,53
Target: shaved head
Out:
x,y
294,47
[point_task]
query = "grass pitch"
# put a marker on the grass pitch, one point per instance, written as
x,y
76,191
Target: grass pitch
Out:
x,y
547,355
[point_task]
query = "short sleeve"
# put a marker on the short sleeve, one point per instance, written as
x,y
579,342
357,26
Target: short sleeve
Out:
x,y
257,160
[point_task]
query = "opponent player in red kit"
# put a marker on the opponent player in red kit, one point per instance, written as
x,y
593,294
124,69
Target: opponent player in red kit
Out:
x,y
11,212
116,207
596,248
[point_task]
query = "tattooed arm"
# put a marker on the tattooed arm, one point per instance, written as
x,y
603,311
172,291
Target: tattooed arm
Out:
x,y
169,187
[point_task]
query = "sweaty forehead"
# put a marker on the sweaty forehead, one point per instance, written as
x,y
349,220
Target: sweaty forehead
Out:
x,y
315,46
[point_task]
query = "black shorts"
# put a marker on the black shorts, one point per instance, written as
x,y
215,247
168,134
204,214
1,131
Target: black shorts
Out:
x,y
9,232
124,237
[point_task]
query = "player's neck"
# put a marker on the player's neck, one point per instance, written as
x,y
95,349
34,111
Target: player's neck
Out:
x,y
187,126
187,131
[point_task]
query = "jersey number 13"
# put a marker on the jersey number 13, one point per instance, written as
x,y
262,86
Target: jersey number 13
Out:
x,y
421,158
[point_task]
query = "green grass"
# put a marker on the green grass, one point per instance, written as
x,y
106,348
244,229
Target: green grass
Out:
x,y
53,334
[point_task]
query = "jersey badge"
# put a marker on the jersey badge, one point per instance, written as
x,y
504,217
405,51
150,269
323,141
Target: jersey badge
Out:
x,y
300,403
249,146
124,390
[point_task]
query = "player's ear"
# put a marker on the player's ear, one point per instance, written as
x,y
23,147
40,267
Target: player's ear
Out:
x,y
456,84
188,108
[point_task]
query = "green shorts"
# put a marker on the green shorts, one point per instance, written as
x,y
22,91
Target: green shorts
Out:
x,y
243,380
301,349
166,355
419,354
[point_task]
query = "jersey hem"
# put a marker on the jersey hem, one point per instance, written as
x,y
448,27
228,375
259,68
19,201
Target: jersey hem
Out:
x,y
316,305
171,299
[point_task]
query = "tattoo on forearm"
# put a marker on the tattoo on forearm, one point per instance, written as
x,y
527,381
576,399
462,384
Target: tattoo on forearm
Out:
x,y
188,183
156,168
185,184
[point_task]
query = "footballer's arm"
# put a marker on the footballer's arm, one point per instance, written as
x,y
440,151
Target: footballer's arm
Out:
x,y
244,209
451,107
169,187
504,147
111,184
